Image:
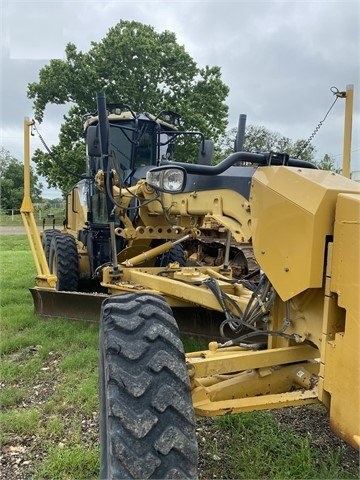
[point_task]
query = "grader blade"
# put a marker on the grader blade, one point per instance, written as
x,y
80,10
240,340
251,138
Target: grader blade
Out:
x,y
196,322
71,305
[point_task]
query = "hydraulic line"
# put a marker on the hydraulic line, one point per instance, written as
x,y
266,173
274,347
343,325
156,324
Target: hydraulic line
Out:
x,y
257,309
280,332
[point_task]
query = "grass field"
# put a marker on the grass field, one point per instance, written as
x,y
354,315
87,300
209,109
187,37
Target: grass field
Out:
x,y
48,214
49,378
49,402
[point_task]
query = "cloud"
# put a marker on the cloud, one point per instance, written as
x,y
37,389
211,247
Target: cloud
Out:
x,y
279,58
39,37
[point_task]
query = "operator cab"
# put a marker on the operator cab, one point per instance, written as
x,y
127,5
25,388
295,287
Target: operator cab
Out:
x,y
133,144
121,147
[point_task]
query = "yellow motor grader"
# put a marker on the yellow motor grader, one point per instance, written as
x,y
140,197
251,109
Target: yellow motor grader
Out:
x,y
137,244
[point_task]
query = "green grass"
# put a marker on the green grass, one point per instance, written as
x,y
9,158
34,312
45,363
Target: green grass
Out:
x,y
58,355
61,357
67,462
260,448
20,422
16,220
12,396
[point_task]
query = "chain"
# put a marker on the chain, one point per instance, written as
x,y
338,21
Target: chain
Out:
x,y
338,94
60,164
41,139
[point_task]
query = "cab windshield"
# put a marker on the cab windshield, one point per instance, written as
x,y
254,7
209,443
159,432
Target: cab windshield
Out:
x,y
130,148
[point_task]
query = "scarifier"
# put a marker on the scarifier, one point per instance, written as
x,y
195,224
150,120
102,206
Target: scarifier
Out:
x,y
155,243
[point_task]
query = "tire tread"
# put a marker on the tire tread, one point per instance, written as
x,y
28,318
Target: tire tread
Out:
x,y
147,418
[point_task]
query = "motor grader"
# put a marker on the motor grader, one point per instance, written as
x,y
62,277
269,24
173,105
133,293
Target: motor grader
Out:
x,y
287,336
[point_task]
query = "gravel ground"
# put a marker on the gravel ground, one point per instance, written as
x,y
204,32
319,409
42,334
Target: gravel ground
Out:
x,y
16,230
22,454
309,422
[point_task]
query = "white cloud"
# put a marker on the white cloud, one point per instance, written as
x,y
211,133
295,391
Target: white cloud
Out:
x,y
279,58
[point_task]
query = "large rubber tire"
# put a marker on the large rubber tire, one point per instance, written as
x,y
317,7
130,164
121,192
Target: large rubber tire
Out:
x,y
47,236
176,254
147,424
64,262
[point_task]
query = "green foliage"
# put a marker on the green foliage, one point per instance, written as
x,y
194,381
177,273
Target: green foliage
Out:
x,y
12,182
194,344
327,163
260,139
132,64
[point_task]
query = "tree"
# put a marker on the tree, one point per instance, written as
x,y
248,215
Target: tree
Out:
x,y
12,182
260,139
327,163
135,65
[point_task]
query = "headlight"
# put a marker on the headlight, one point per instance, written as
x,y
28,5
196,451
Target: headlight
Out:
x,y
167,179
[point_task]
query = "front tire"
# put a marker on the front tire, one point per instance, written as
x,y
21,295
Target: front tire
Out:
x,y
64,262
147,425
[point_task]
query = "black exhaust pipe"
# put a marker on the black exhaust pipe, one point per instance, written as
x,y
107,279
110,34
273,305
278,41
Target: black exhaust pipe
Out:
x,y
103,123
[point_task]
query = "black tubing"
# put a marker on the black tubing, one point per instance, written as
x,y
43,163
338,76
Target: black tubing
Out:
x,y
248,157
103,123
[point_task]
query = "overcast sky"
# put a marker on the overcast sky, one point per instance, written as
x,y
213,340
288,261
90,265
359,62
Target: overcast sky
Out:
x,y
279,58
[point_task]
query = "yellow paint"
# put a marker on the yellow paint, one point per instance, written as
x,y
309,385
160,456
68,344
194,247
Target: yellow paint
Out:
x,y
341,369
292,213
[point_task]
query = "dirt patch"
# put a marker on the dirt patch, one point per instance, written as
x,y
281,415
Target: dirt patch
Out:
x,y
20,456
312,422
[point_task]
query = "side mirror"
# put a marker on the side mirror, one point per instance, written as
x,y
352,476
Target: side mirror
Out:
x,y
206,152
93,146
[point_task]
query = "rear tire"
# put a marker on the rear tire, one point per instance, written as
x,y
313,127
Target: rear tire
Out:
x,y
175,254
64,262
47,236
147,425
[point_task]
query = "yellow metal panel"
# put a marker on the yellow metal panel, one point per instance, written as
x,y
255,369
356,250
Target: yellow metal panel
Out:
x,y
277,400
228,208
345,279
194,294
208,362
341,364
252,383
292,214
306,313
